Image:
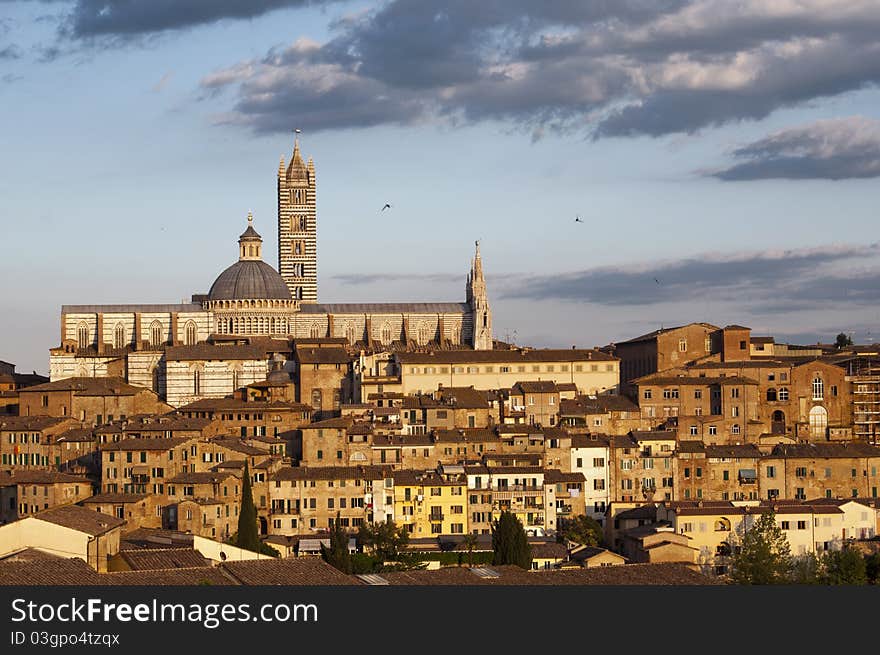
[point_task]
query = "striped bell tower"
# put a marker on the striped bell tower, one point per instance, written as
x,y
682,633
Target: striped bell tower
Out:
x,y
297,227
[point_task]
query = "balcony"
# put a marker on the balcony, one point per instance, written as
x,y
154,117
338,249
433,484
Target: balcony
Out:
x,y
564,509
140,478
435,517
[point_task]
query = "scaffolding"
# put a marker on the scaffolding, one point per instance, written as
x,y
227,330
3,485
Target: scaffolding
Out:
x,y
863,373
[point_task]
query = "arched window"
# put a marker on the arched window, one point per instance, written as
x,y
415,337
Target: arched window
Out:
x,y
191,334
316,398
386,333
350,335
818,388
154,375
315,331
722,525
818,421
455,335
155,334
119,336
197,382
302,223
236,382
771,395
735,428
82,335
424,335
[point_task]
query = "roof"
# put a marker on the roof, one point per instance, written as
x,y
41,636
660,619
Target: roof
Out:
x,y
387,308
120,499
114,386
208,404
146,444
653,335
33,476
47,571
326,355
504,356
825,450
694,381
247,279
80,518
553,476
654,435
163,558
28,423
299,571
199,478
734,451
536,386
332,473
131,309
188,577
205,352
596,405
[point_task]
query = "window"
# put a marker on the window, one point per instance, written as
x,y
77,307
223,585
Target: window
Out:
x,y
713,430
734,393
786,525
119,336
190,334
698,394
155,334
771,471
734,411
818,388
682,345
801,525
670,393
647,394
783,394
687,472
707,344
197,382
818,421
599,462
735,428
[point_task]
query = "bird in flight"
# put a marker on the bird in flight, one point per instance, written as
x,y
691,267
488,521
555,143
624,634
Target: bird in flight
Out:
x,y
387,206
577,219
656,280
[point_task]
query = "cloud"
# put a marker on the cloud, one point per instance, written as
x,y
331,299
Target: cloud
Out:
x,y
159,86
11,51
374,278
126,19
803,279
604,69
832,149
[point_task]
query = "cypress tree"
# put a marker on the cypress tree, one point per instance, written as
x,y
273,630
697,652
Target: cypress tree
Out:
x,y
509,542
337,554
248,538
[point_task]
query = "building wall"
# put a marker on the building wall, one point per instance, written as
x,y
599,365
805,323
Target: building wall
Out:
x,y
593,464
216,378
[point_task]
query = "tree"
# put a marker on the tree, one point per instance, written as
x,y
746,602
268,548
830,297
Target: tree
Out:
x,y
470,543
509,542
872,568
582,529
765,554
843,340
337,554
386,540
247,535
844,567
806,569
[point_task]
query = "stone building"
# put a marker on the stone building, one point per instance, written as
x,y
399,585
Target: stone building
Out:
x,y
171,348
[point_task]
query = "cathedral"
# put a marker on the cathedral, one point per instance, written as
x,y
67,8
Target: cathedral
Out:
x,y
226,338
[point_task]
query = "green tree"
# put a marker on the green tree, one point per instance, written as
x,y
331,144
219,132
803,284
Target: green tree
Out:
x,y
509,542
843,340
764,556
806,569
470,543
386,540
582,529
336,554
872,568
844,567
247,536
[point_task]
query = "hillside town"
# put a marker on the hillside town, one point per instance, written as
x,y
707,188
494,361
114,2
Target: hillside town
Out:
x,y
136,454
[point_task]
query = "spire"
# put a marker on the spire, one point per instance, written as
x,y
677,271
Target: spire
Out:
x,y
297,169
478,263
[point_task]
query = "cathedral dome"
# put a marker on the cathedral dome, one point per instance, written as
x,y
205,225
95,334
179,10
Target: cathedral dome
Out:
x,y
249,279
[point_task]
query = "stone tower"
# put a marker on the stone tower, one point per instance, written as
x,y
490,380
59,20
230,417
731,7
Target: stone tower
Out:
x,y
479,304
297,227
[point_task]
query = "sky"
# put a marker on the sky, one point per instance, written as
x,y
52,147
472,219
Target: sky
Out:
x,y
722,157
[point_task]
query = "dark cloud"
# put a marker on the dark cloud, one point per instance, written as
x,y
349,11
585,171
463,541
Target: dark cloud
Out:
x,y
131,18
804,279
602,68
832,149
10,51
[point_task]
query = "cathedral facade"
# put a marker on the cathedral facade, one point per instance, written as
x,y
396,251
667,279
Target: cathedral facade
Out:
x,y
224,339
